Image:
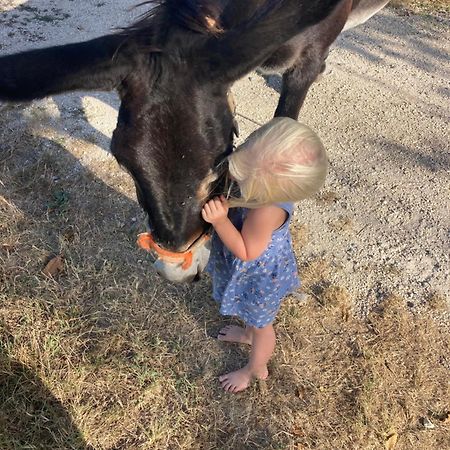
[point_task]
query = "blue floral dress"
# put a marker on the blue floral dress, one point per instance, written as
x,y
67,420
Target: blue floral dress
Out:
x,y
253,290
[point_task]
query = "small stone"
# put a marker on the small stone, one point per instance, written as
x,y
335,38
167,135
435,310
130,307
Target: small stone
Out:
x,y
300,296
426,422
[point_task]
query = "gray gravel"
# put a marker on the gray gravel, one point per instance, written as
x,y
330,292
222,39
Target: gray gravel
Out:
x,y
382,111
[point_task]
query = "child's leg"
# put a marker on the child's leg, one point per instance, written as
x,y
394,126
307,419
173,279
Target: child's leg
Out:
x,y
263,345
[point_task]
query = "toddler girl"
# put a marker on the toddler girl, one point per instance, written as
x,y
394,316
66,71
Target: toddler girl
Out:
x,y
252,263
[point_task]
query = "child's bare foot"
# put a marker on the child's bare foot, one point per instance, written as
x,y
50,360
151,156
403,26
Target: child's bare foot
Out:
x,y
233,333
240,379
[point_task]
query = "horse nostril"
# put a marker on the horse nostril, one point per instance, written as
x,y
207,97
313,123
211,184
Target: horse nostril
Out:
x,y
197,278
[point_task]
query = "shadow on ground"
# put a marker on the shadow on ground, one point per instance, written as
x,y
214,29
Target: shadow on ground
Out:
x,y
30,415
387,36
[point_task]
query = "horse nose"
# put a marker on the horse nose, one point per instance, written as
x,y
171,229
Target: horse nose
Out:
x,y
176,240
197,277
173,272
178,271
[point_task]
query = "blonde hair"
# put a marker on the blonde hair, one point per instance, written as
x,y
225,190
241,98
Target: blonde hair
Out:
x,y
283,161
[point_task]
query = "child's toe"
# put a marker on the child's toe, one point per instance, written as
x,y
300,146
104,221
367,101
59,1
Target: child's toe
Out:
x,y
226,386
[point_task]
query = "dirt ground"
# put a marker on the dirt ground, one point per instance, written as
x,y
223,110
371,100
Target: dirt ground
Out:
x,y
107,355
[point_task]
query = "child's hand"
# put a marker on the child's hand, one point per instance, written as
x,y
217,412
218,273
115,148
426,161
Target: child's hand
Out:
x,y
216,210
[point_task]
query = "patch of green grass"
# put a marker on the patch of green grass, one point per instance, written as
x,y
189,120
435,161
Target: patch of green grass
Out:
x,y
59,201
52,16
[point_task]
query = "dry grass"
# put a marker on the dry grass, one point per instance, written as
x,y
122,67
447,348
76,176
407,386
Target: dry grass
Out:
x,y
106,356
422,6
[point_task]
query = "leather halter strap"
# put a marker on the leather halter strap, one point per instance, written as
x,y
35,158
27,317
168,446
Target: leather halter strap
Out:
x,y
146,242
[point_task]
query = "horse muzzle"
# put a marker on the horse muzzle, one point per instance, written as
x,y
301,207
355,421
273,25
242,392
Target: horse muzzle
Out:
x,y
178,267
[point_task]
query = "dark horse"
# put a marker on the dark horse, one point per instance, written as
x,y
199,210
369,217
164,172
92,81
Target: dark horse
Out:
x,y
173,70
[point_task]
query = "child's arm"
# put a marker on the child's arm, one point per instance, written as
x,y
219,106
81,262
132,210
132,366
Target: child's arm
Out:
x,y
256,231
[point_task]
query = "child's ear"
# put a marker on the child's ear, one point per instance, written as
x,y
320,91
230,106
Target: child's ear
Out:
x,y
309,156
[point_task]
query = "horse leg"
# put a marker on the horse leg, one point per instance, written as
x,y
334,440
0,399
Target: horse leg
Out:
x,y
311,61
312,48
362,11
297,81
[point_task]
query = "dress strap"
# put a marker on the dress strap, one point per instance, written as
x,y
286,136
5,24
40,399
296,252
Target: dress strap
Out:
x,y
287,206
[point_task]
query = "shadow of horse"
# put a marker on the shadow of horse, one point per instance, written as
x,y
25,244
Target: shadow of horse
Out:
x,y
30,415
79,114
394,35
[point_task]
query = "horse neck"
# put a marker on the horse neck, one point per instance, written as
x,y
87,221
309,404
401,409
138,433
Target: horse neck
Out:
x,y
238,11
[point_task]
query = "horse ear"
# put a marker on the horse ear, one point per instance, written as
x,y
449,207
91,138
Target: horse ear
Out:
x,y
202,17
240,49
198,16
99,64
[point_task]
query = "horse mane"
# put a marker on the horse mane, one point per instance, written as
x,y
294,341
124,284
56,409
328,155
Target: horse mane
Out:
x,y
200,16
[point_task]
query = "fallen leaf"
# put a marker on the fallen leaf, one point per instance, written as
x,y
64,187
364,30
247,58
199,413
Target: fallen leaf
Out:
x,y
8,247
391,441
297,430
301,392
54,266
69,234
